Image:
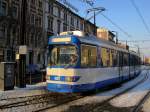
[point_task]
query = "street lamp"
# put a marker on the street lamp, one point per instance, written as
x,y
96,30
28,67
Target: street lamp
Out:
x,y
99,10
116,35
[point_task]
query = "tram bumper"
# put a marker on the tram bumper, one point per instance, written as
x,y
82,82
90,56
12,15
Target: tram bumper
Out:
x,y
66,88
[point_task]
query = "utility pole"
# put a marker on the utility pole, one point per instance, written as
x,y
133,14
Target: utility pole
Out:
x,y
98,9
21,81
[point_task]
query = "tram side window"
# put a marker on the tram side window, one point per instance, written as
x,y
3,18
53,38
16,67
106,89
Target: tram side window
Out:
x,y
88,56
120,59
113,58
93,56
132,60
84,56
105,56
125,59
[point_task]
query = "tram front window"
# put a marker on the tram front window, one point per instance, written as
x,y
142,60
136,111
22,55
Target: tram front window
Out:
x,y
63,56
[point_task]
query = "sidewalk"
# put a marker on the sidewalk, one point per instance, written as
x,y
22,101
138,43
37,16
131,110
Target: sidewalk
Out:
x,y
30,90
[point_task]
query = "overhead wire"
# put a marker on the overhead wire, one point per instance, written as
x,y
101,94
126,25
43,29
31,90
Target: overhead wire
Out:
x,y
116,25
141,16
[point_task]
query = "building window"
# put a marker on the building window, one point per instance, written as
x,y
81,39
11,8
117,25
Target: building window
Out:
x,y
40,21
72,21
32,19
33,2
40,4
59,13
3,7
2,31
31,39
56,11
77,24
50,8
65,16
50,24
58,26
36,20
64,27
15,12
81,25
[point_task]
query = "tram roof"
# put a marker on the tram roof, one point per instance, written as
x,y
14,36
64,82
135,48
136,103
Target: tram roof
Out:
x,y
100,42
97,41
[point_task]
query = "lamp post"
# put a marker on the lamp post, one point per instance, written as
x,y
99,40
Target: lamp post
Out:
x,y
98,10
22,48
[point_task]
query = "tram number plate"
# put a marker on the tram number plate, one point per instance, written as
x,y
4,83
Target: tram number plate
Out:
x,y
57,78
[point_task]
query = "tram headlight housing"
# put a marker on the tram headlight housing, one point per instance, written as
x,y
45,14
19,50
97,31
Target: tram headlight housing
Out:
x,y
72,78
64,78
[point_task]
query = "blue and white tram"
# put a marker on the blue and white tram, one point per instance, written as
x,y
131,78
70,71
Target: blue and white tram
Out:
x,y
83,63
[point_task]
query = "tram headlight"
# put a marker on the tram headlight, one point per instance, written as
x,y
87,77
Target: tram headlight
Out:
x,y
69,79
72,78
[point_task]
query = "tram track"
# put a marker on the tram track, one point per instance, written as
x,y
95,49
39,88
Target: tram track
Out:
x,y
54,100
35,100
50,108
139,106
136,109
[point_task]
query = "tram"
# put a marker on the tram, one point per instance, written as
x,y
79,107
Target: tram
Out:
x,y
80,63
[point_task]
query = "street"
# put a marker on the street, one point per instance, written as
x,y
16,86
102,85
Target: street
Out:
x,y
119,99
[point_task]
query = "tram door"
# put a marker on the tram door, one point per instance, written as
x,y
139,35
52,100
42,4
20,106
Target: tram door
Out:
x,y
120,71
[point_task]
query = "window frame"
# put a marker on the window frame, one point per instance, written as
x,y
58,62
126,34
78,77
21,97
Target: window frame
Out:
x,y
89,59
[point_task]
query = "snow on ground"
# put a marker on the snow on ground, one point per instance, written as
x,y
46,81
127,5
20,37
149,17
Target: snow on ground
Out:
x,y
30,90
133,97
98,98
146,106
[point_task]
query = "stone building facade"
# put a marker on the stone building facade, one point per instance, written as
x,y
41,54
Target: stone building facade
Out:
x,y
59,18
9,28
35,38
44,18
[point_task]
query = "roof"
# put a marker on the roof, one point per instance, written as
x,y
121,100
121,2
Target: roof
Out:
x,y
60,4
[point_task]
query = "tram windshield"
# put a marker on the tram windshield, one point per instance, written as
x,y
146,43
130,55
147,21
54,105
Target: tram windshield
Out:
x,y
63,56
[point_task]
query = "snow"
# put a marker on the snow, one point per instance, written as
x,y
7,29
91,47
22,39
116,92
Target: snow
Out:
x,y
98,98
133,97
30,90
128,99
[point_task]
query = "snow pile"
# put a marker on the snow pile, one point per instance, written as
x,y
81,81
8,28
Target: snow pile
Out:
x,y
133,97
98,98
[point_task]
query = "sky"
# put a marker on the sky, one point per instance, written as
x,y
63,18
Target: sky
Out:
x,y
124,14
